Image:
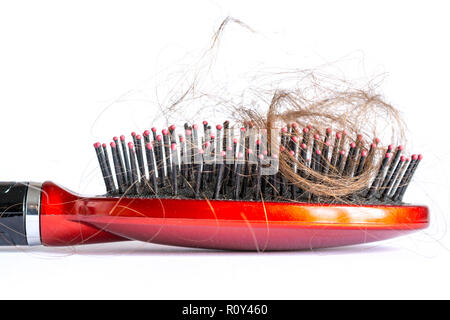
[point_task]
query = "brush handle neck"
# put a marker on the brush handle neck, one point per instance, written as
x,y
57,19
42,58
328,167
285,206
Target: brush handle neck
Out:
x,y
60,214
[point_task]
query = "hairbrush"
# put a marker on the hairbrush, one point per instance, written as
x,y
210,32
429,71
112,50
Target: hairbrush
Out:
x,y
258,190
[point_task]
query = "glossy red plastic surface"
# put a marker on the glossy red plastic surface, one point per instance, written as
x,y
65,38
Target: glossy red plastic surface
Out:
x,y
68,219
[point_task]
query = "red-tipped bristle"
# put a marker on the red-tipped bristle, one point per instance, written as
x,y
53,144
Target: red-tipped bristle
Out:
x,y
205,122
342,152
173,147
303,146
291,152
345,132
97,145
172,127
316,136
388,155
261,157
188,132
195,126
146,133
373,145
201,151
390,147
154,129
165,132
353,145
130,145
402,158
318,152
112,144
149,146
377,140
122,138
414,157
309,126
294,125
305,130
400,148
364,153
138,137
339,135
159,137
243,129
282,148
328,143
258,142
104,145
265,152
295,139
329,130
207,144
219,127
212,136
420,157
223,153
235,140
115,138
133,134
181,138
284,130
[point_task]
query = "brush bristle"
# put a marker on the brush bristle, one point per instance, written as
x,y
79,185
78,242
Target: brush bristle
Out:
x,y
219,165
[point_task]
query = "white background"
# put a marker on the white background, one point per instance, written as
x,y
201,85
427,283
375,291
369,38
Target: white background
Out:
x,y
75,72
